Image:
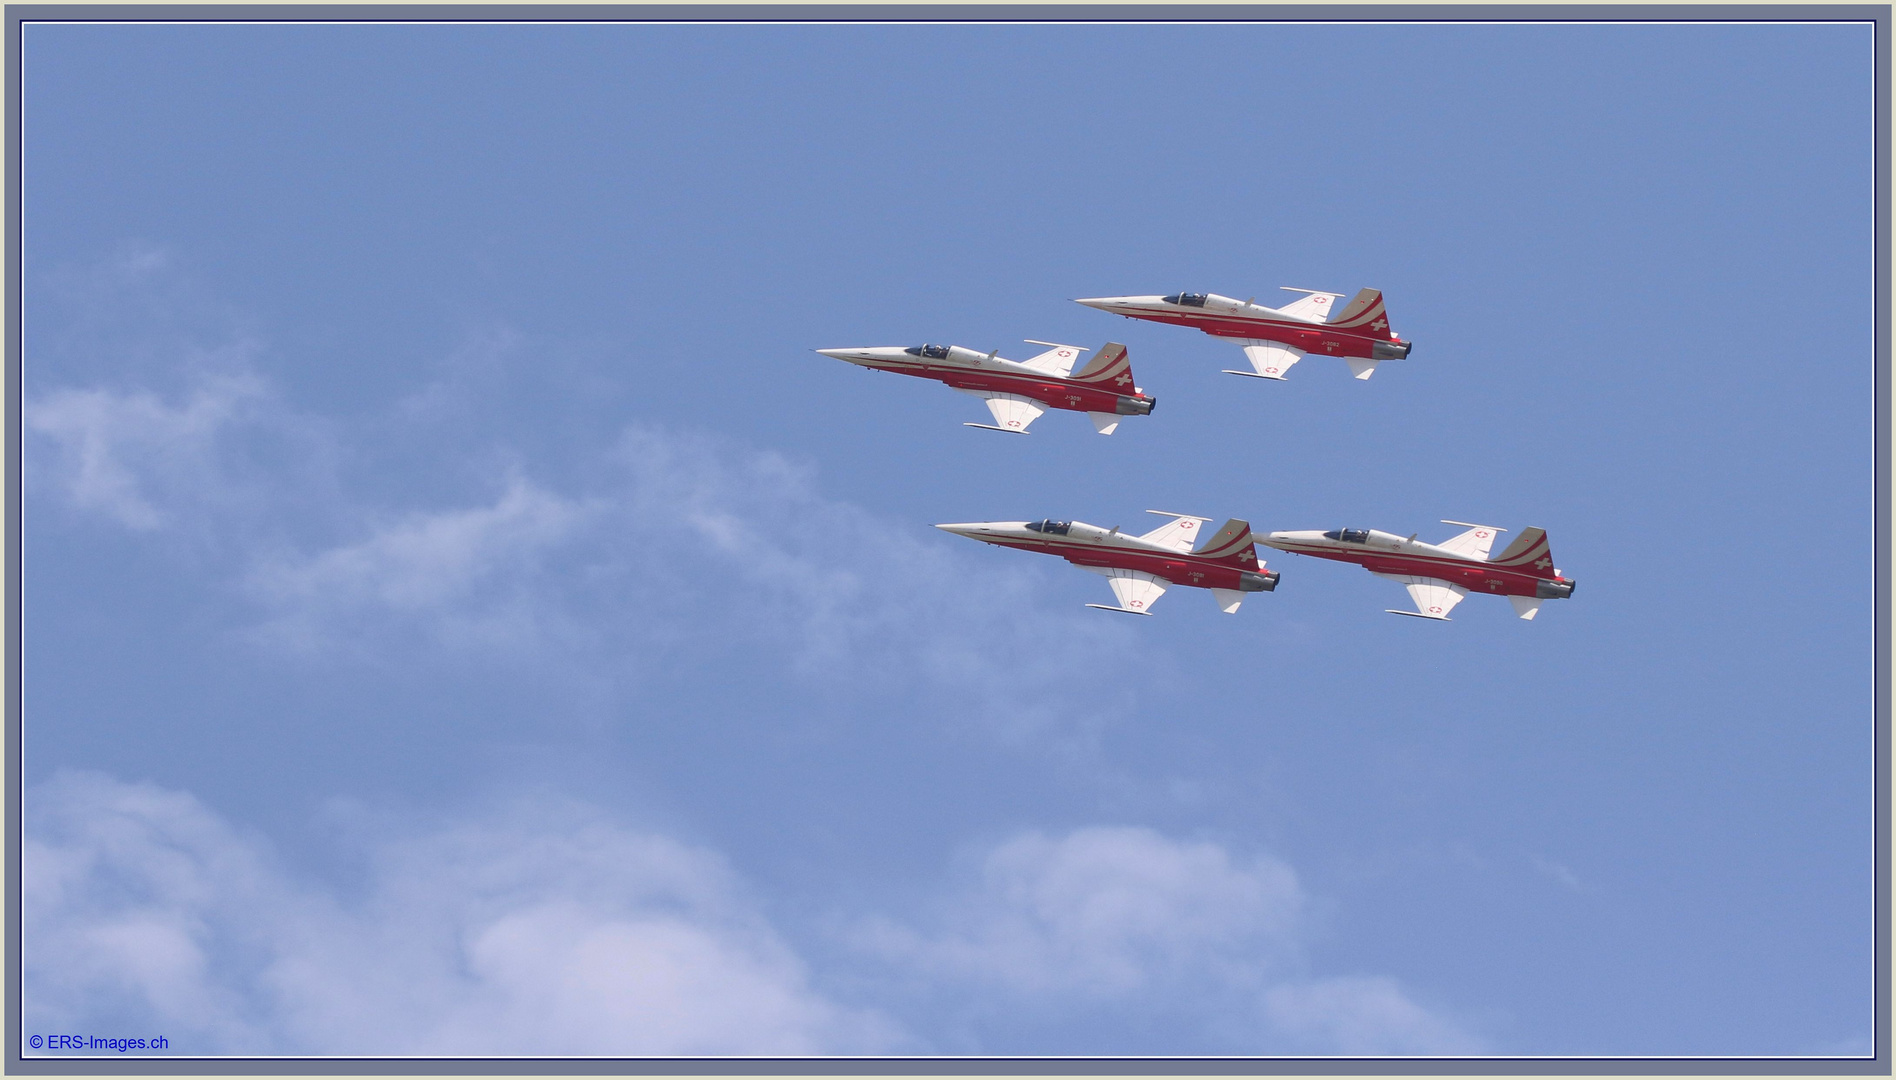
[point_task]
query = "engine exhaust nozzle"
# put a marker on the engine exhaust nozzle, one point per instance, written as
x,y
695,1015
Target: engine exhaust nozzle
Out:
x,y
1253,581
1135,406
1553,590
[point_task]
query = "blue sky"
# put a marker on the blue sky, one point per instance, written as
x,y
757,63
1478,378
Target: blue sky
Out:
x,y
463,616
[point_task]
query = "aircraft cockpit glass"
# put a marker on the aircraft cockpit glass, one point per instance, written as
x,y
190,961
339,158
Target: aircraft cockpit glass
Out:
x,y
1349,536
1044,525
1190,299
931,352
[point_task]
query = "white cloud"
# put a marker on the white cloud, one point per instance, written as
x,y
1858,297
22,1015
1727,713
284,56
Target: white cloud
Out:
x,y
543,927
1105,912
544,930
1126,921
426,560
1364,1015
679,544
132,456
855,600
469,573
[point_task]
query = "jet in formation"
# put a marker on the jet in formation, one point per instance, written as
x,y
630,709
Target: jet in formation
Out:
x,y
1276,338
1141,568
1017,392
1438,576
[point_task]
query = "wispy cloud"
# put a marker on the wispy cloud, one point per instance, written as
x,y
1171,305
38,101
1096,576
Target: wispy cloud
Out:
x,y
544,929
1363,1015
133,456
466,573
674,544
543,926
1127,921
1104,912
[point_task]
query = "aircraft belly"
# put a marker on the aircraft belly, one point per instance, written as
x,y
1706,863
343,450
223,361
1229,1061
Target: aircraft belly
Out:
x,y
1474,577
1176,571
1329,344
1053,396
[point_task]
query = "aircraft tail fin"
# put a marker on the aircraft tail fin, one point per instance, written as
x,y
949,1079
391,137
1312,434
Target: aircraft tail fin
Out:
x,y
1109,368
1529,553
1233,541
1363,312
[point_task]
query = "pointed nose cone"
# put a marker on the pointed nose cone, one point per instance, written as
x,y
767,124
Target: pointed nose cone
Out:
x,y
972,529
1132,306
840,354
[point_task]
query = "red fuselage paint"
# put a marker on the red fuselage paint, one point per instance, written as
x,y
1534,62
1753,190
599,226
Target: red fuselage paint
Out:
x,y
1049,390
1474,576
1177,567
1314,338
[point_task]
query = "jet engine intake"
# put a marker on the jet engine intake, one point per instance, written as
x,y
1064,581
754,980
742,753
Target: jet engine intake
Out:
x,y
1553,590
1252,581
1135,406
1390,350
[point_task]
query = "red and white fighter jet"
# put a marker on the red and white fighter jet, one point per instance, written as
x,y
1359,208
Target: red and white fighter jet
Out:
x,y
1018,392
1275,338
1140,568
1439,575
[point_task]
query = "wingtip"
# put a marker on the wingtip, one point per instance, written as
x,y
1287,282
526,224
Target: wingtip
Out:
x,y
1124,610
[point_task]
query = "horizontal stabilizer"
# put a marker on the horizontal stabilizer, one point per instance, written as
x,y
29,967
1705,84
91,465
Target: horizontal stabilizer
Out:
x,y
1104,422
1360,367
1228,600
1525,606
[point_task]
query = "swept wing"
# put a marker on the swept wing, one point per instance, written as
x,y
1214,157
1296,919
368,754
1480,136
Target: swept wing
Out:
x,y
1136,591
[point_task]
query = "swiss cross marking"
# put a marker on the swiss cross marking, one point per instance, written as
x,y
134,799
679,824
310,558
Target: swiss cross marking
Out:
x,y
1123,379
1543,562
